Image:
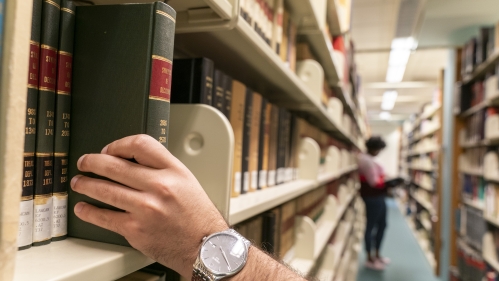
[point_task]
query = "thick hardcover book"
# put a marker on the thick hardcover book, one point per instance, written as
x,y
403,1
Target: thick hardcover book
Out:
x,y
127,97
193,81
254,141
62,121
293,147
237,123
273,139
227,95
25,233
270,231
248,109
283,52
263,170
281,146
277,26
49,40
218,90
261,173
2,11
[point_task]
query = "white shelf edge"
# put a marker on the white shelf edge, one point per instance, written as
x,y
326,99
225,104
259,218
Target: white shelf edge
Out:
x,y
430,257
248,205
472,172
473,203
414,167
78,259
427,205
303,265
426,134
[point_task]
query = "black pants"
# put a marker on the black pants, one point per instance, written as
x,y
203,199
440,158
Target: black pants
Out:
x,y
376,219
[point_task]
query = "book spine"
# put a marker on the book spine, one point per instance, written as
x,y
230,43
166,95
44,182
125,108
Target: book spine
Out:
x,y
237,122
273,132
248,105
262,173
158,113
208,75
218,93
62,121
45,122
227,95
263,176
281,147
25,233
254,141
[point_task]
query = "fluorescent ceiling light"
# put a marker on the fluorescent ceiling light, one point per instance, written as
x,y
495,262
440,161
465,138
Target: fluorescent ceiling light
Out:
x,y
385,115
403,43
395,74
389,98
399,57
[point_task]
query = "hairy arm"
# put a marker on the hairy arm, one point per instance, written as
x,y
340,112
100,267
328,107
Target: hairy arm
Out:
x,y
167,213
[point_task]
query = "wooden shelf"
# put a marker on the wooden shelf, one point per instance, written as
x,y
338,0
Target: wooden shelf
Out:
x,y
423,152
483,68
241,52
77,259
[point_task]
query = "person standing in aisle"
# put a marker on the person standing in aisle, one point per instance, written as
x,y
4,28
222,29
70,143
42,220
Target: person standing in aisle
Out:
x,y
373,192
167,215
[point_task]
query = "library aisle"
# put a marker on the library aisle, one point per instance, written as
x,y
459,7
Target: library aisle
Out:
x,y
408,261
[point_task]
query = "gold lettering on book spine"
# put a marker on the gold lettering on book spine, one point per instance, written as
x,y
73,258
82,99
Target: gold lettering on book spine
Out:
x,y
165,14
53,4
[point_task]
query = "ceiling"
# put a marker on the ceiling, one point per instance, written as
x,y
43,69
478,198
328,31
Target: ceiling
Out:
x,y
445,24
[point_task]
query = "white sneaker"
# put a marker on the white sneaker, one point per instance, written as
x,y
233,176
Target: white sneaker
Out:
x,y
375,265
385,261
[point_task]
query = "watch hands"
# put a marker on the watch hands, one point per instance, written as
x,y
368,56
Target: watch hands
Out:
x,y
225,257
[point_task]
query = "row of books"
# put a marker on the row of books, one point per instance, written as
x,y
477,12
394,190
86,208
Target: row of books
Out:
x,y
472,226
72,83
472,159
491,200
479,48
274,230
424,179
474,130
473,188
470,263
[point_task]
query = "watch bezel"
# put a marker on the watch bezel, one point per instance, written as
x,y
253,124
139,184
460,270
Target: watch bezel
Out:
x,y
234,271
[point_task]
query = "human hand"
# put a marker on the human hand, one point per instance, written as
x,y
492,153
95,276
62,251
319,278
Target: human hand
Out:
x,y
167,211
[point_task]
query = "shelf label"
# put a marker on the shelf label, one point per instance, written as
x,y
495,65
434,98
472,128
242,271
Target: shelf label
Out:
x,y
237,182
25,234
42,220
271,178
280,175
288,174
254,179
262,177
60,215
246,180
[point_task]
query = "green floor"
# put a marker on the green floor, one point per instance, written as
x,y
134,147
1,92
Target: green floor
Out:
x,y
399,244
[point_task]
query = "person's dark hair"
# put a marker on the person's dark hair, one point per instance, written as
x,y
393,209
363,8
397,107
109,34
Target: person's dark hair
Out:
x,y
375,143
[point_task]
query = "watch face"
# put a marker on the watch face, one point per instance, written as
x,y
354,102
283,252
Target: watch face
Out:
x,y
223,253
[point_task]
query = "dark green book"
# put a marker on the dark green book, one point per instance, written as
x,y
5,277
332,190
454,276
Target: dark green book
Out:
x,y
193,81
248,108
118,91
25,233
227,95
45,122
218,90
62,121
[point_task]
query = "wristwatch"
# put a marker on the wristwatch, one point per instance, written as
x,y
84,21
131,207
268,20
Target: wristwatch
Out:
x,y
222,254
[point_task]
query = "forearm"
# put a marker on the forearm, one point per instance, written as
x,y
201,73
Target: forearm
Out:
x,y
261,266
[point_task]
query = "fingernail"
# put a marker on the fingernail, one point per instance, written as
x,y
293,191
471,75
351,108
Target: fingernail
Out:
x,y
79,207
79,161
104,150
74,180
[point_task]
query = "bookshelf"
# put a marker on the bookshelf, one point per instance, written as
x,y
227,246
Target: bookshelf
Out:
x,y
420,165
237,49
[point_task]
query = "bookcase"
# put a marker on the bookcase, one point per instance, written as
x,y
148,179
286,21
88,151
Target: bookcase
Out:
x,y
326,248
474,236
420,165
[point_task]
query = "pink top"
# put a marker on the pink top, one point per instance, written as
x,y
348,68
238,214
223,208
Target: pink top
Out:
x,y
370,171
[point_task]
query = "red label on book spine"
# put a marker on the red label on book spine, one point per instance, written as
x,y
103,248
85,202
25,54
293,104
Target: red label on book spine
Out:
x,y
34,61
64,73
161,78
48,68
